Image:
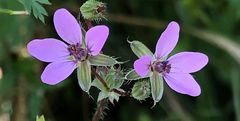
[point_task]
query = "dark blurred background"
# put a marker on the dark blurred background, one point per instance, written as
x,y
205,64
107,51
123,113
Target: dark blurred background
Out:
x,y
208,26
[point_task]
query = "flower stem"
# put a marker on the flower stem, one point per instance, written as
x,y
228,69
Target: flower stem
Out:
x,y
101,106
11,12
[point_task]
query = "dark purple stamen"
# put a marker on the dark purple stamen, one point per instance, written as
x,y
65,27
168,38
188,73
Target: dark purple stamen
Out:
x,y
77,52
162,67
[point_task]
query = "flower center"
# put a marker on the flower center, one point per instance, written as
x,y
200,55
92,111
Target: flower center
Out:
x,y
162,67
79,53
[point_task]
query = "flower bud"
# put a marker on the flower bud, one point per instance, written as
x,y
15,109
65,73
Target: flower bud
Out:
x,y
93,10
141,90
139,49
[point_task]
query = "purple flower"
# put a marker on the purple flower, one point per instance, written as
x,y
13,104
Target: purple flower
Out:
x,y
64,58
176,69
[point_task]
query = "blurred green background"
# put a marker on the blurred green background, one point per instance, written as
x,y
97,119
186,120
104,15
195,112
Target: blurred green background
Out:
x,y
208,26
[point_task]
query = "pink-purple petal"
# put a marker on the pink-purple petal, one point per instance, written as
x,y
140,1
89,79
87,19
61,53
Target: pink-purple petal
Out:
x,y
188,62
96,38
67,26
56,72
167,40
48,50
183,83
142,65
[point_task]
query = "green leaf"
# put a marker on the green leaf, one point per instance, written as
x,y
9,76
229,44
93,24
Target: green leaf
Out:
x,y
102,60
84,75
157,87
141,90
44,2
27,5
139,49
41,118
35,7
132,75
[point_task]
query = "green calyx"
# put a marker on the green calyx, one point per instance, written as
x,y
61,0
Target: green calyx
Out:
x,y
141,90
102,60
139,49
93,10
157,86
84,75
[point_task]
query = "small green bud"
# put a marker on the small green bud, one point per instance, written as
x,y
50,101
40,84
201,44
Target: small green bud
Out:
x,y
141,90
115,78
139,49
93,10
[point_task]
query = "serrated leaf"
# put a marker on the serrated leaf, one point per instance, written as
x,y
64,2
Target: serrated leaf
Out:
x,y
40,9
132,75
44,2
157,87
27,5
35,7
139,49
41,118
84,75
102,60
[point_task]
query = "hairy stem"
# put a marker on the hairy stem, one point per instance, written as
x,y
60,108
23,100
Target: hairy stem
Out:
x,y
101,106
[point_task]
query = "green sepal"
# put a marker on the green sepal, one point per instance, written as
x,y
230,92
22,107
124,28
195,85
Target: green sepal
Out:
x,y
41,118
157,86
132,75
102,60
36,8
139,49
141,90
84,75
112,96
102,95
